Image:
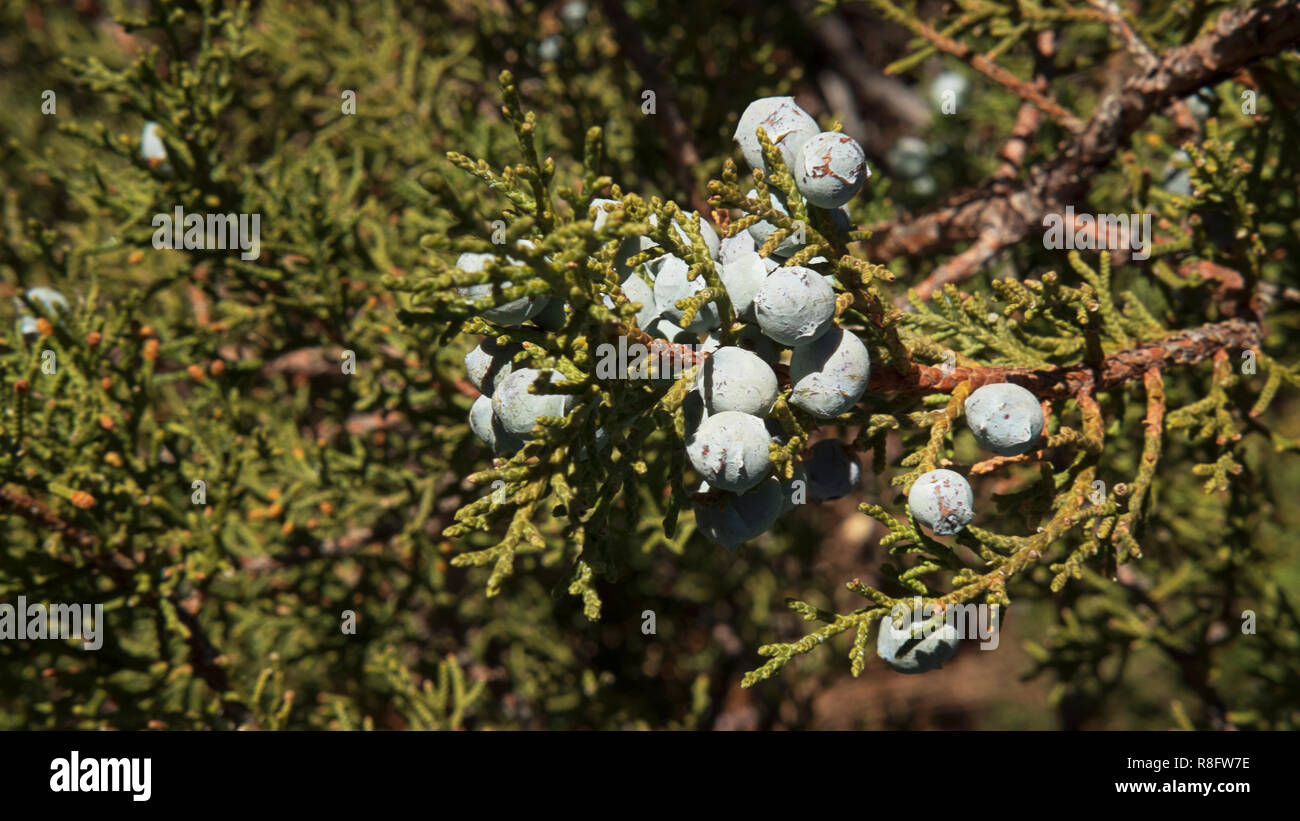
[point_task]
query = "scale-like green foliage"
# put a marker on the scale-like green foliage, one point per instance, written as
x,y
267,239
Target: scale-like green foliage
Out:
x,y
262,467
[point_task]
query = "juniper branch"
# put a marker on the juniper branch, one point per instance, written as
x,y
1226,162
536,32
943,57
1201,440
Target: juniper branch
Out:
x,y
1006,212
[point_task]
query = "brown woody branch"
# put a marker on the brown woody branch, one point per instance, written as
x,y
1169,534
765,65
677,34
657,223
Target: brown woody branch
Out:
x,y
1184,348
1187,347
1004,212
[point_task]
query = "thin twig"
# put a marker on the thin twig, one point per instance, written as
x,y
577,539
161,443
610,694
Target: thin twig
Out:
x,y
981,63
1141,52
993,238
